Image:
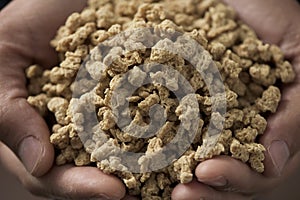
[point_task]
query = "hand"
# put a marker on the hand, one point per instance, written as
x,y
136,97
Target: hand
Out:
x,y
26,28
224,178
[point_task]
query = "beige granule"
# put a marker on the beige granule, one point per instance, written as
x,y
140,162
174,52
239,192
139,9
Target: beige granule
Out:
x,y
250,69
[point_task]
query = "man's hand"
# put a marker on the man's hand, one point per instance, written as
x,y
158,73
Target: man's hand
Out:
x,y
26,28
223,178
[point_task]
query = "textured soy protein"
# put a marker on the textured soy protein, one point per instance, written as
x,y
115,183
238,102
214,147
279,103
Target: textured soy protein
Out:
x,y
251,72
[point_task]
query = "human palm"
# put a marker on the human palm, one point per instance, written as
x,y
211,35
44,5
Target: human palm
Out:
x,y
276,22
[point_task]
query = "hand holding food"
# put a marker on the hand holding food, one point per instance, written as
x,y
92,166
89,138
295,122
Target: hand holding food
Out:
x,y
148,90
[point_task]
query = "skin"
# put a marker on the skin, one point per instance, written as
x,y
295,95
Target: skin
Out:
x,y
275,22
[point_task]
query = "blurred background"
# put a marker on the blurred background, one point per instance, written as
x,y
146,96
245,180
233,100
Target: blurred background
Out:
x,y
3,3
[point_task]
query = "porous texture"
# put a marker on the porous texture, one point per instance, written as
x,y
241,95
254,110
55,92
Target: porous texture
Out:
x,y
250,69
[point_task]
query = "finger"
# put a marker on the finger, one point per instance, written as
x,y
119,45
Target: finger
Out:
x,y
26,133
228,174
78,183
65,182
281,138
21,127
196,191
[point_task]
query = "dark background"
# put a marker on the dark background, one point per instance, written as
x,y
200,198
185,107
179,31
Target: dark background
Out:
x,y
10,188
3,2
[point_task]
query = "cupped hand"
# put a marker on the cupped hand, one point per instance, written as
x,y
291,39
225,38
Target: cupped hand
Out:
x,y
26,28
224,178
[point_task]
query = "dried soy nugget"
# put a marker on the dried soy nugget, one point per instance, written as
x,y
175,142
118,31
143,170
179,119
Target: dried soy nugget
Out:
x,y
251,72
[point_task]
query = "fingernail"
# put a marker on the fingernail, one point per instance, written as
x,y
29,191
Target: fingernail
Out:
x,y
279,153
217,182
30,151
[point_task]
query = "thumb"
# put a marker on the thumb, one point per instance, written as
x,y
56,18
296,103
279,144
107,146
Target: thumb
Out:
x,y
26,133
282,137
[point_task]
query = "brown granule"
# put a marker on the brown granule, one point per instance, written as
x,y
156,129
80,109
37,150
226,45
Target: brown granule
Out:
x,y
251,72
